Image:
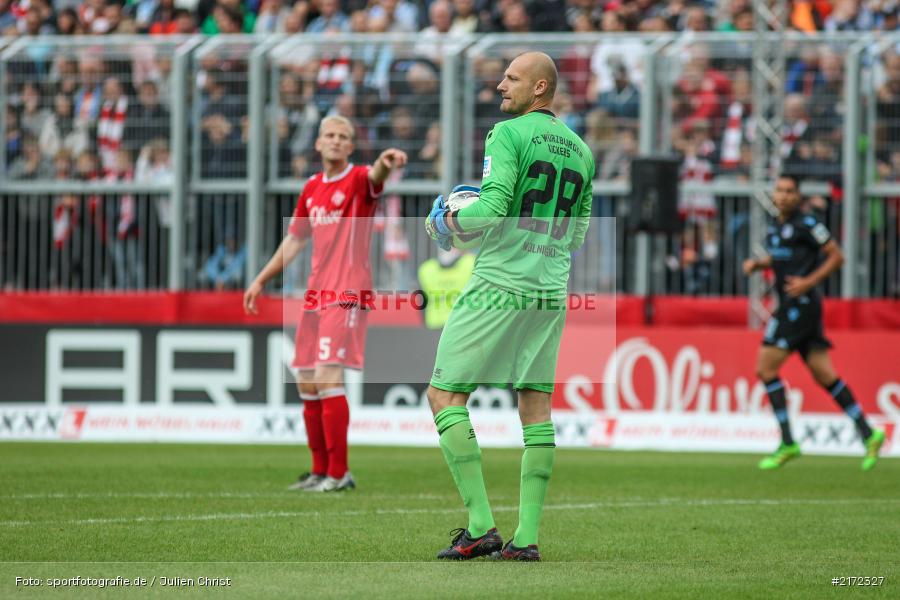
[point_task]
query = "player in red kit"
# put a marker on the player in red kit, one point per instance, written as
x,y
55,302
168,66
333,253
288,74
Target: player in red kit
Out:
x,y
335,210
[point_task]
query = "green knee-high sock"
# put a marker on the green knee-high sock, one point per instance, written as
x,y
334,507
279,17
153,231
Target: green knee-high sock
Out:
x,y
464,459
537,465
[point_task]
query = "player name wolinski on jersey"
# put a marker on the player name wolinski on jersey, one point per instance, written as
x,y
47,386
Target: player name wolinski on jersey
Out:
x,y
548,251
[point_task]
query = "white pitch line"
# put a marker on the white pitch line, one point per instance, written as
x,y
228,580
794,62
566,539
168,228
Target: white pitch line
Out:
x,y
197,495
240,516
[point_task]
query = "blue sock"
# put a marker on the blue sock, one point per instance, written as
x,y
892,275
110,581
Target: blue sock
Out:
x,y
844,397
778,400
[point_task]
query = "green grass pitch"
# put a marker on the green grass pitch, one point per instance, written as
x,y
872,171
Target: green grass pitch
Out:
x,y
616,525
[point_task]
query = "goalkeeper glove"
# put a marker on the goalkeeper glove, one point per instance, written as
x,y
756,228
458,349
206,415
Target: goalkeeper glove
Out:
x,y
436,225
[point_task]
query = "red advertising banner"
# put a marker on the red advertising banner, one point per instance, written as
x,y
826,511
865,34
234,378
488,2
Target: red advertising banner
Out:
x,y
711,371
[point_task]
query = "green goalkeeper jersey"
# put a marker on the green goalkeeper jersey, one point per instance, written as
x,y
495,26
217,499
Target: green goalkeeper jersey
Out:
x,y
535,199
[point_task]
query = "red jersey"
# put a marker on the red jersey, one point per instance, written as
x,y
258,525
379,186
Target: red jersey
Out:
x,y
338,213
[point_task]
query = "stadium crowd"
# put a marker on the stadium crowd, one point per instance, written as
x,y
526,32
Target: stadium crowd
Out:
x,y
102,112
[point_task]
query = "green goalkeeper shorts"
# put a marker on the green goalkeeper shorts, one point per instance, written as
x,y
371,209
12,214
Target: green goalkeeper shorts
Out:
x,y
497,337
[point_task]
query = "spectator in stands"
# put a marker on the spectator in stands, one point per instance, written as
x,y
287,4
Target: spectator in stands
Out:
x,y
888,16
465,19
294,23
359,21
229,17
63,77
655,25
623,101
34,21
825,161
808,15
272,16
90,93
430,154
423,88
87,167
698,209
440,18
737,126
46,13
346,105
547,15
13,139
30,164
599,134
581,22
706,90
297,122
90,10
8,20
109,19
147,119
223,154
888,110
803,73
154,165
62,131
226,19
333,77
629,51
367,97
121,227
564,109
224,269
402,16
185,22
218,100
825,107
795,134
144,12
849,15
34,114
695,20
515,18
699,55
692,99
729,15
379,59
162,20
575,64
331,18
576,9
111,124
62,165
487,112
67,22
403,135
616,165
889,169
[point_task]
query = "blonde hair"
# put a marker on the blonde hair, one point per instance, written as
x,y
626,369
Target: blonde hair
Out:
x,y
338,119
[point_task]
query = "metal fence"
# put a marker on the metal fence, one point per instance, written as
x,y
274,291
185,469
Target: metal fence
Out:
x,y
139,162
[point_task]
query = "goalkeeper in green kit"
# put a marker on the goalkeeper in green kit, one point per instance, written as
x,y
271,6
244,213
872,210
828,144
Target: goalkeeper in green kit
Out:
x,y
506,326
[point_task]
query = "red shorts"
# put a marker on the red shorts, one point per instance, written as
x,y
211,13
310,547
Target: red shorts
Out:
x,y
331,336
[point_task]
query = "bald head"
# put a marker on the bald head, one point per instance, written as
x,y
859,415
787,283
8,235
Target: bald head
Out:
x,y
540,66
529,83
